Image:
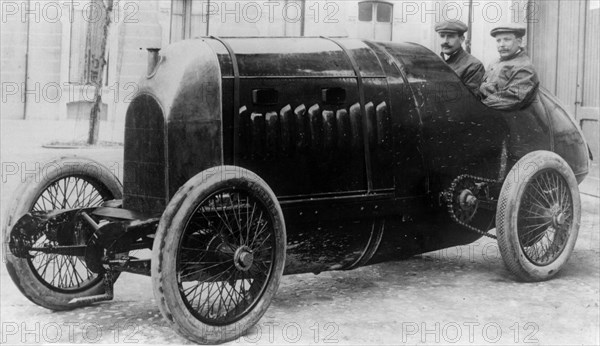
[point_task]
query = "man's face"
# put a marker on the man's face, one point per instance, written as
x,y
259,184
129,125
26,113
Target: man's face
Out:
x,y
507,44
451,42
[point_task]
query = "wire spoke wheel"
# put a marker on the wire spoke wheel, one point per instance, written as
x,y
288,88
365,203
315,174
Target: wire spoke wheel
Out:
x,y
52,280
538,216
545,217
63,272
218,255
225,258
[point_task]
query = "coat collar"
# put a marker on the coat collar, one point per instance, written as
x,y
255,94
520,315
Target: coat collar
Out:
x,y
459,53
518,53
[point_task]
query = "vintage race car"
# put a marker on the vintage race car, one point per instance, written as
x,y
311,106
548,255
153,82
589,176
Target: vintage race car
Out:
x,y
251,158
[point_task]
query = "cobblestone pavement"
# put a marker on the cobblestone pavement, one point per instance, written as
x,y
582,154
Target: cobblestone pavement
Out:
x,y
461,295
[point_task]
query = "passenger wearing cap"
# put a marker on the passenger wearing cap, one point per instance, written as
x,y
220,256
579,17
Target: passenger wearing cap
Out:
x,y
510,83
467,67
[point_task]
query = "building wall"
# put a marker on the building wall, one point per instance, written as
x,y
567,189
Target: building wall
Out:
x,y
140,24
31,58
413,21
138,30
43,51
566,54
13,35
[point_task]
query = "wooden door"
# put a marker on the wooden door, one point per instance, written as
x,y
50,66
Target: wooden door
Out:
x,y
588,92
563,45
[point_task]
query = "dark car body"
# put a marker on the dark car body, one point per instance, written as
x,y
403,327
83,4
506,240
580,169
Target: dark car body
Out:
x,y
357,139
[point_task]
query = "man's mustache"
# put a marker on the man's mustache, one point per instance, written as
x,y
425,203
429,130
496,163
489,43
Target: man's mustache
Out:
x,y
446,46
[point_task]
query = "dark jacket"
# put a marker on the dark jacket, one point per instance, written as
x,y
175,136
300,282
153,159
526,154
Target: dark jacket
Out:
x,y
468,68
510,83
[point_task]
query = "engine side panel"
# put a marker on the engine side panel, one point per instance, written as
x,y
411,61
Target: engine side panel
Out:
x,y
301,145
299,118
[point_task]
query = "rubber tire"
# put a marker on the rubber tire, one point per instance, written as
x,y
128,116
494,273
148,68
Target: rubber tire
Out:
x,y
164,253
24,198
507,213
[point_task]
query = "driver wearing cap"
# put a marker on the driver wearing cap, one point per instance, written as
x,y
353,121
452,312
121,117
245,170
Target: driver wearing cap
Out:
x,y
467,67
510,83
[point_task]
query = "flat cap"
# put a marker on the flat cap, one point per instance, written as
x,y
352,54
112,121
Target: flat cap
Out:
x,y
518,31
453,26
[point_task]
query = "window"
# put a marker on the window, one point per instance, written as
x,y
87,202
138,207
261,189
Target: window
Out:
x,y
177,20
375,20
365,11
198,22
195,18
79,55
383,10
188,19
384,13
85,38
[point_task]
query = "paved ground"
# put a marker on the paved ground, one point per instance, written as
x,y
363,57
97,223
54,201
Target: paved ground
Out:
x,y
460,295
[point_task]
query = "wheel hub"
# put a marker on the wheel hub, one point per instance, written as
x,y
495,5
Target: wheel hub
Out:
x,y
467,205
467,200
559,219
243,258
557,216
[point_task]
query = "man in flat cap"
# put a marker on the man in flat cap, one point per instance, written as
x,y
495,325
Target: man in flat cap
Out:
x,y
467,67
510,83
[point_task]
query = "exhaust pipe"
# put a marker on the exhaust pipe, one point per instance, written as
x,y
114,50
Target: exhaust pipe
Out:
x,y
153,60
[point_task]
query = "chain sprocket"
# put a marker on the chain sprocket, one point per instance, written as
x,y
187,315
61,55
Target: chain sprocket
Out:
x,y
56,226
452,198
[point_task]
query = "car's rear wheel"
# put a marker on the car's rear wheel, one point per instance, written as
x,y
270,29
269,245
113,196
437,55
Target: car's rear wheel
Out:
x,y
47,279
218,255
538,216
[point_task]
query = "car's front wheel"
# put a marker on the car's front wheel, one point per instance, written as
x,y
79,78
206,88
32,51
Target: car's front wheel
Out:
x,y
218,255
538,216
